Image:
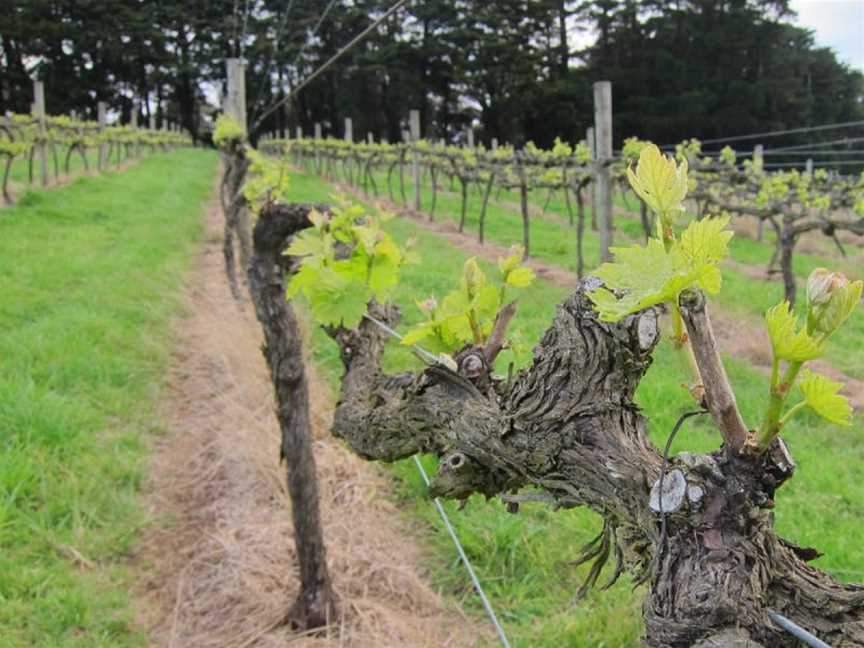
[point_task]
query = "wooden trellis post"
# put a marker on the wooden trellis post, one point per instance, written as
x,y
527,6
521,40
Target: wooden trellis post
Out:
x,y
602,178
101,112
39,113
236,97
349,130
758,159
414,122
317,150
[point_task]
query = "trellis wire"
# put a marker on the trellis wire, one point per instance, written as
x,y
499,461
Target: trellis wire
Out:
x,y
487,604
797,631
778,133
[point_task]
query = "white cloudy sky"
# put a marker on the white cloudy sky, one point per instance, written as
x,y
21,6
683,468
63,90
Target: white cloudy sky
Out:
x,y
839,24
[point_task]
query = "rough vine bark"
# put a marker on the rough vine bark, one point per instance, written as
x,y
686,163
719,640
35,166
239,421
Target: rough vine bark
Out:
x,y
316,604
236,212
568,425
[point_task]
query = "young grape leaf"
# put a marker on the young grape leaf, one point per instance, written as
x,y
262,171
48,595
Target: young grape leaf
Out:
x,y
822,395
787,342
659,181
706,240
337,300
649,275
520,277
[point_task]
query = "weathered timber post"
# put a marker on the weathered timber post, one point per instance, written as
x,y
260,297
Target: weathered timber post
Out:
x,y
758,159
469,137
349,130
591,143
299,132
370,138
101,116
39,112
414,121
152,124
236,166
236,97
317,150
809,167
494,143
602,179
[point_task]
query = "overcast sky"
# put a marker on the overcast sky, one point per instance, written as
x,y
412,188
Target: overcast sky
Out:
x,y
839,24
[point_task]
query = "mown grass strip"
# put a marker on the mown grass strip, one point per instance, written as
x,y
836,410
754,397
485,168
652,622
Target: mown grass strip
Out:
x,y
91,276
524,561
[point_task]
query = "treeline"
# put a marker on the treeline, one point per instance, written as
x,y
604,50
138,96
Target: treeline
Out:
x,y
517,69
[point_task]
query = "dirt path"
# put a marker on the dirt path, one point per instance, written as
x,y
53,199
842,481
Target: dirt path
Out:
x,y
218,566
738,336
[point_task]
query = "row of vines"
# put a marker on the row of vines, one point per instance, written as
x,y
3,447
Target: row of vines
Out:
x,y
21,138
791,203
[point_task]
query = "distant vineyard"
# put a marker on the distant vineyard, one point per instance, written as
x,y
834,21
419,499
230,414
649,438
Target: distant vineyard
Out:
x,y
790,202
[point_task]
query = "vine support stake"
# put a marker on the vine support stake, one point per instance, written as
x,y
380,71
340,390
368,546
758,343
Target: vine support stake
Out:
x,y
757,159
414,121
39,113
592,147
603,181
102,116
236,99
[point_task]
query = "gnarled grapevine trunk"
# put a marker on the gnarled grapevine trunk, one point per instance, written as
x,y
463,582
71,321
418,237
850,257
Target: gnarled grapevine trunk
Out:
x,y
568,425
316,603
236,212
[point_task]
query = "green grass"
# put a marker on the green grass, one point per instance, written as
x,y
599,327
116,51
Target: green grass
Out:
x,y
90,275
524,560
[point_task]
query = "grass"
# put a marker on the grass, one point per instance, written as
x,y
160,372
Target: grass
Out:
x,y
90,276
524,561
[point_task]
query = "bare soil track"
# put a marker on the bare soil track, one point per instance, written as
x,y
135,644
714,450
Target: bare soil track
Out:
x,y
217,568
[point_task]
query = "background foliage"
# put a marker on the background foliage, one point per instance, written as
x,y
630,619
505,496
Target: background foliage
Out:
x,y
689,68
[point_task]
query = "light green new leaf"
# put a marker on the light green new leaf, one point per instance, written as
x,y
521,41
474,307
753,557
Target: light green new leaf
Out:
x,y
512,260
308,241
302,280
822,395
706,241
520,277
419,332
659,181
649,275
336,299
787,341
383,277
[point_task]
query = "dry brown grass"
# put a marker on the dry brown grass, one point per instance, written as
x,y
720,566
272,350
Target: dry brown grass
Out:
x,y
218,568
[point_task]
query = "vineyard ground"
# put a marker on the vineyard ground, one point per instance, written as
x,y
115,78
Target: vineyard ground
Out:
x,y
525,559
220,569
89,275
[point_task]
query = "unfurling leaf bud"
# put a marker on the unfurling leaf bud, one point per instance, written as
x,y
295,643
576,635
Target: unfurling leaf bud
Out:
x,y
473,277
821,284
659,181
428,305
831,298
